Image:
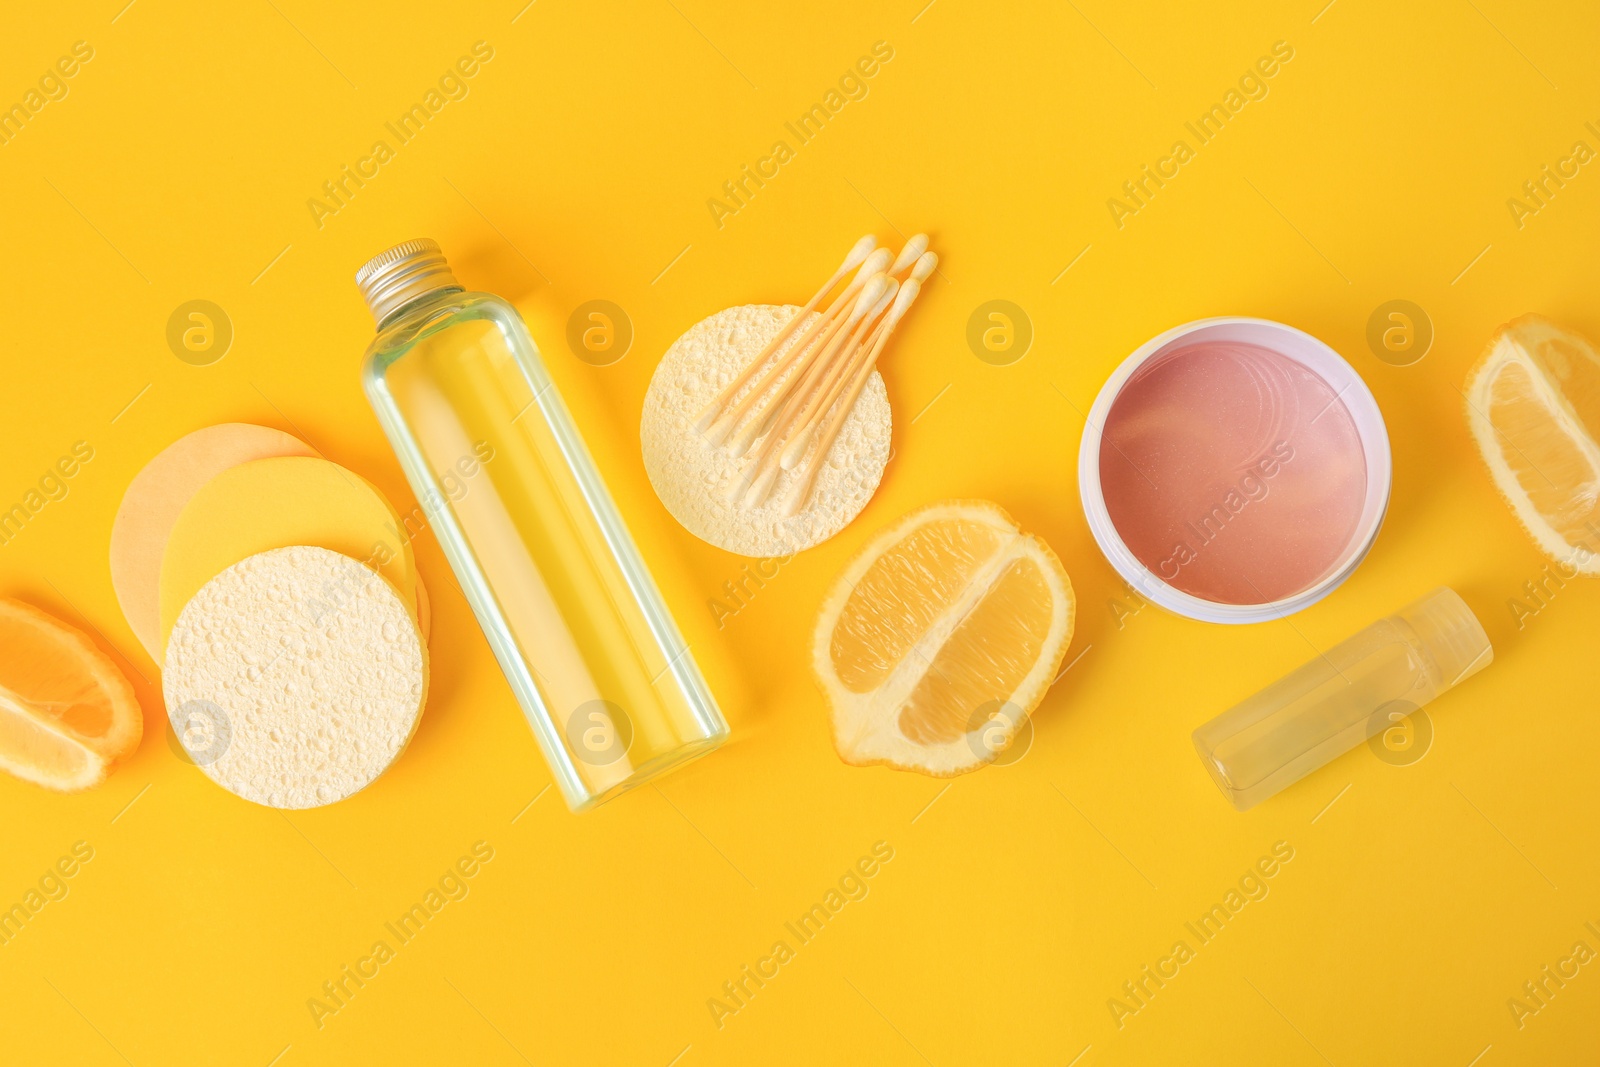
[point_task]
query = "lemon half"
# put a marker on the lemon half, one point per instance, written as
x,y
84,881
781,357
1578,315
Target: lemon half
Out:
x,y
940,638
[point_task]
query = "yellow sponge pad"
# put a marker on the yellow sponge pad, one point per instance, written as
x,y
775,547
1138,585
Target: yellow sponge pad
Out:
x,y
278,503
156,497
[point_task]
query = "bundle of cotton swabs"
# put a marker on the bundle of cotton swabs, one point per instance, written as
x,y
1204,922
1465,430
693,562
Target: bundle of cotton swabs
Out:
x,y
796,398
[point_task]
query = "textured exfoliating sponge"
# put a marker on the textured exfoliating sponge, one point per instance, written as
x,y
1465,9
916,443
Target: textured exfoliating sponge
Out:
x,y
295,677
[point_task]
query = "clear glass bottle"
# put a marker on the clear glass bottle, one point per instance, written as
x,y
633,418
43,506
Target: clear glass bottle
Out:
x,y
1342,698
536,543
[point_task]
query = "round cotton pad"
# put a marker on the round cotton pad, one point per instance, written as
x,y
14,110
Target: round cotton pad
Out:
x,y
693,477
154,500
274,503
295,677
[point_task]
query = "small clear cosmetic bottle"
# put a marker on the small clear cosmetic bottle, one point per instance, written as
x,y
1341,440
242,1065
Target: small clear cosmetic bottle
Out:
x,y
592,653
1360,687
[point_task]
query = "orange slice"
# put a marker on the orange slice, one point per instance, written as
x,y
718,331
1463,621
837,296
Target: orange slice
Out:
x,y
66,712
940,639
1533,403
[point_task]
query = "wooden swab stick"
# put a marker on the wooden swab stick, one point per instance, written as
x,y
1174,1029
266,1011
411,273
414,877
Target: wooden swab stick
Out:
x,y
796,446
806,477
826,326
914,257
858,252
835,376
798,412
819,332
821,371
727,417
801,489
739,443
802,378
746,483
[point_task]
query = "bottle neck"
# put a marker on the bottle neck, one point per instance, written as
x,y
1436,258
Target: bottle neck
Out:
x,y
1450,634
400,311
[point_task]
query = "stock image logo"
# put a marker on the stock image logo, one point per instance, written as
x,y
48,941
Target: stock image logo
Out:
x,y
999,333
200,732
1401,733
199,332
599,733
991,723
599,333
1399,333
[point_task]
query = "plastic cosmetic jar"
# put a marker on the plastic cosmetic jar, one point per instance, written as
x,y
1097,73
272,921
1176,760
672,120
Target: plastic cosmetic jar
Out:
x,y
1234,470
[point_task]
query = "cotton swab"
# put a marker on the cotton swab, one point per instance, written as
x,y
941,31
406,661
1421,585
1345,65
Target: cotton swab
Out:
x,y
857,254
802,397
825,371
869,297
801,490
796,448
924,267
913,256
825,324
910,253
836,377
799,382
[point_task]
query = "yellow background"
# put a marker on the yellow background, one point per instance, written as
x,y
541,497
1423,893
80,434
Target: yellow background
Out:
x,y
1019,898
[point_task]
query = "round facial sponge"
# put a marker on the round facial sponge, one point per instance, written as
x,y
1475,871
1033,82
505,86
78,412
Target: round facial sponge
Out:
x,y
275,503
693,477
295,677
156,497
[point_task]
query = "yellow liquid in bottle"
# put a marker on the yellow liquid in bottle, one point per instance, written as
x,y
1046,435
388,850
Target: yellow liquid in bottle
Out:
x,y
552,572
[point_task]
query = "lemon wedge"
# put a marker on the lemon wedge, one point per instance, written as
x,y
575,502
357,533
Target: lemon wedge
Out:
x,y
1533,403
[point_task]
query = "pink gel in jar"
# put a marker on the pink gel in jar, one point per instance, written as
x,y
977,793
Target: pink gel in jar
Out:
x,y
1230,480
1232,472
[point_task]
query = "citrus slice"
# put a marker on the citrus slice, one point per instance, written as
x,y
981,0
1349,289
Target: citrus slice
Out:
x,y
1533,403
66,712
940,638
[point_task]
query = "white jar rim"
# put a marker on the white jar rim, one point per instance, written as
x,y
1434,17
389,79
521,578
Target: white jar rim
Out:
x,y
1293,344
